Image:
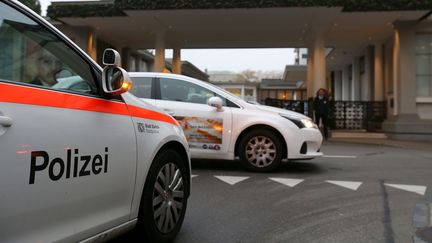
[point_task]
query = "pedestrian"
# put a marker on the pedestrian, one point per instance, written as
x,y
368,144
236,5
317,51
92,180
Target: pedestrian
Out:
x,y
321,107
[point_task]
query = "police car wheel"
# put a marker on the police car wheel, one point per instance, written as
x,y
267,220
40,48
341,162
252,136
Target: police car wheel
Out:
x,y
260,150
164,199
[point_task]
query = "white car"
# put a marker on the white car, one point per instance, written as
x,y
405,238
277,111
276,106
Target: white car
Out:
x,y
219,125
81,162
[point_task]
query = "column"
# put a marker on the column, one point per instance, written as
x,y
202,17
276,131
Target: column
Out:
x,y
404,75
309,81
378,73
242,92
176,60
345,84
366,82
355,83
125,53
319,65
338,85
159,61
316,69
91,45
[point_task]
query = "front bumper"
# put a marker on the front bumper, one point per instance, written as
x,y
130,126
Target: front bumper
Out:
x,y
307,144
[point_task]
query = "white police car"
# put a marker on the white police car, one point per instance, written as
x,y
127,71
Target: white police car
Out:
x,y
85,162
219,125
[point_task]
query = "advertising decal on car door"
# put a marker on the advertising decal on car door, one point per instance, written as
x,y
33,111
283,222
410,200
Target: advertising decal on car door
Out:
x,y
202,133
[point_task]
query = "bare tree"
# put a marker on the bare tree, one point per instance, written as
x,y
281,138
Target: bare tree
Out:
x,y
256,76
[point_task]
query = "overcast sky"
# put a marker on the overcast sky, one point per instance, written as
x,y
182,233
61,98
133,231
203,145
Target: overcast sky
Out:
x,y
238,59
230,59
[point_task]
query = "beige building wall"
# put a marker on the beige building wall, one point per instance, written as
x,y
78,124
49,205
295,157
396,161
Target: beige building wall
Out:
x,y
84,37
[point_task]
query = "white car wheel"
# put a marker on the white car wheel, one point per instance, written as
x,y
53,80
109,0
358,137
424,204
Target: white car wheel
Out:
x,y
261,150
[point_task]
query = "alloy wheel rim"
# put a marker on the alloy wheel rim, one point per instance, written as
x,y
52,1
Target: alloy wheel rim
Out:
x,y
260,151
168,195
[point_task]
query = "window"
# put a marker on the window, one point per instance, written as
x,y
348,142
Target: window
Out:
x,y
142,87
183,91
424,64
234,91
33,55
284,94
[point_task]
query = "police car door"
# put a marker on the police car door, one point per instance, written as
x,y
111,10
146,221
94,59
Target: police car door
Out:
x,y
208,131
67,155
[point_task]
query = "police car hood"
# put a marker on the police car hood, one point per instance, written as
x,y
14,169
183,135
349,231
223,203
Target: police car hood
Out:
x,y
281,111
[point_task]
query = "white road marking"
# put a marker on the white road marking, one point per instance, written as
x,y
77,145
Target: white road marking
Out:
x,y
192,176
410,188
232,179
353,185
340,156
287,181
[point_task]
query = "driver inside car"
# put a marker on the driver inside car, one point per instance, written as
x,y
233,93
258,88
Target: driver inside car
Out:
x,y
46,67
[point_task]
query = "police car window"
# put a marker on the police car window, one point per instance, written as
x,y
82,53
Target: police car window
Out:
x,y
142,87
31,54
178,90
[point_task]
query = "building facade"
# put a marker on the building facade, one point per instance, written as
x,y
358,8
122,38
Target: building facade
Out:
x,y
361,50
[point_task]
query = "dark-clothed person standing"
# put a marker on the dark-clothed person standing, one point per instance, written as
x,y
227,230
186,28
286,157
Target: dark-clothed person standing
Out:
x,y
321,107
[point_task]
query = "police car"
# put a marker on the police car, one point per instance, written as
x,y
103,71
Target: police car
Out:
x,y
219,125
80,163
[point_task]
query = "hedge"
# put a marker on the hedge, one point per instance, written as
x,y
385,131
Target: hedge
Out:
x,y
119,6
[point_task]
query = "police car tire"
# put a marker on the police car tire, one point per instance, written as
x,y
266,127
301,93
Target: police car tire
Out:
x,y
146,228
259,134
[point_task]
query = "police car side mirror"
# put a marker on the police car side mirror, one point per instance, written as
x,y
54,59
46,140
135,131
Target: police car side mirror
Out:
x,y
111,57
215,102
115,80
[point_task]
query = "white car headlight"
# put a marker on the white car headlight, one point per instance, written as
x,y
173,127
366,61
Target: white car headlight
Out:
x,y
300,122
309,123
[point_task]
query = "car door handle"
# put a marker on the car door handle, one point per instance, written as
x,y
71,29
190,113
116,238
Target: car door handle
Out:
x,y
6,121
170,112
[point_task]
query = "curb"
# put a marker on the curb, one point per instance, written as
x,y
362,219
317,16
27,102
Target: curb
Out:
x,y
386,142
422,221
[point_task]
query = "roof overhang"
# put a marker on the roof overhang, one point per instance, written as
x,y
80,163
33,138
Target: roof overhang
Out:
x,y
283,27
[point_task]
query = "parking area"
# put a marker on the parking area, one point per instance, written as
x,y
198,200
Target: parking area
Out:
x,y
356,193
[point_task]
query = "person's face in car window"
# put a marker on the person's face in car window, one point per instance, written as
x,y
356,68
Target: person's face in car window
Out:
x,y
47,66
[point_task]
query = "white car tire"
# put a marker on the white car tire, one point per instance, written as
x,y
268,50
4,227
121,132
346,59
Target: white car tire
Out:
x,y
260,150
164,199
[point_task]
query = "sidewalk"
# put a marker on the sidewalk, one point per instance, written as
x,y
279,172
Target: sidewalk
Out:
x,y
363,137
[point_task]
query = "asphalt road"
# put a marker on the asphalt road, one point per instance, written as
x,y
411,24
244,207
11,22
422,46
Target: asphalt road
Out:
x,y
360,193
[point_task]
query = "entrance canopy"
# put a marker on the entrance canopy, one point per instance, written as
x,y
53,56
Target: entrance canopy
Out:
x,y
218,24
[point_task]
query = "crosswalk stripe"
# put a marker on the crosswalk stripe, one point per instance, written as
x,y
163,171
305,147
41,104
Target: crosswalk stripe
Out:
x,y
291,182
287,181
353,185
232,179
410,188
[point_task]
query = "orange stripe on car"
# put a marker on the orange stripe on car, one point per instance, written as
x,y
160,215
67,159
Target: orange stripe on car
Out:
x,y
34,96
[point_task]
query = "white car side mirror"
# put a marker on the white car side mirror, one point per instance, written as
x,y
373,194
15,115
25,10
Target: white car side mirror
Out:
x,y
215,102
